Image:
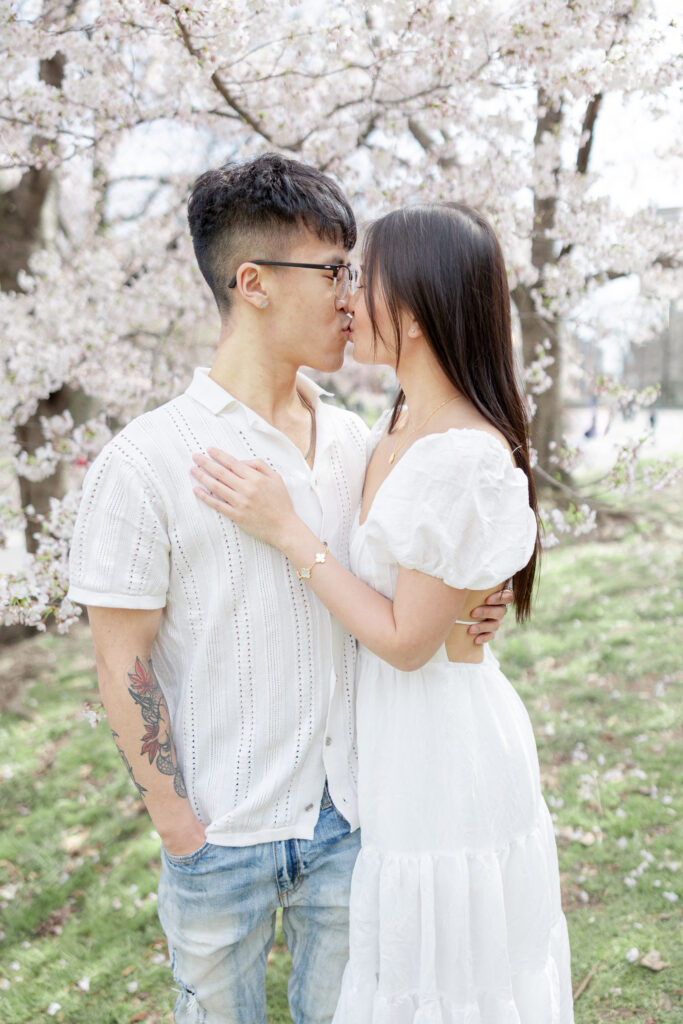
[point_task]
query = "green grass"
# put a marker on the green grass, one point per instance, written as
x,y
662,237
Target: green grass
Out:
x,y
599,670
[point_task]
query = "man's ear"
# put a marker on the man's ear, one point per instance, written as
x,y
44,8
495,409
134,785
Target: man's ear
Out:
x,y
249,283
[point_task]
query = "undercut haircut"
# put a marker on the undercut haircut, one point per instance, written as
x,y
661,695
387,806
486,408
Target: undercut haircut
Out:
x,y
256,210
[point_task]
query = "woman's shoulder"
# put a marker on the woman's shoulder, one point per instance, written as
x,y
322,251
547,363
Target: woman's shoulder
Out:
x,y
461,467
460,447
455,507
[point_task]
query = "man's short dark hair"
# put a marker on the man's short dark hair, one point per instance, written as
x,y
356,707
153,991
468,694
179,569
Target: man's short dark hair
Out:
x,y
256,209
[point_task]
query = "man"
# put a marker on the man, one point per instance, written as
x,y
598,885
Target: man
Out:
x,y
228,687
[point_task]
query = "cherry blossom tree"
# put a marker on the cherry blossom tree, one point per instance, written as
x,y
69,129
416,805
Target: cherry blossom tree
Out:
x,y
109,108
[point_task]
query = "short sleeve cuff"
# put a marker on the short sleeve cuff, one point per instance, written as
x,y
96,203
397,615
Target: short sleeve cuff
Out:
x,y
78,595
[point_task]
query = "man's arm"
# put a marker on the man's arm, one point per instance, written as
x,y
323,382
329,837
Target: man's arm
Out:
x,y
139,721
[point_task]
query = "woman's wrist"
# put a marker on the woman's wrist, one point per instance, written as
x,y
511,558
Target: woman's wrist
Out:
x,y
300,544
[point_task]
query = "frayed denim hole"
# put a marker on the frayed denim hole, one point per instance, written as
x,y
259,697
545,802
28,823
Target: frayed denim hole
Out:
x,y
187,999
187,996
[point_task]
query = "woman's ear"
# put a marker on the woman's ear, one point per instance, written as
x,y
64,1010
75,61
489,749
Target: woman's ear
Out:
x,y
414,330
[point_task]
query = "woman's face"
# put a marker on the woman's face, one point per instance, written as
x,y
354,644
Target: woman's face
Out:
x,y
366,348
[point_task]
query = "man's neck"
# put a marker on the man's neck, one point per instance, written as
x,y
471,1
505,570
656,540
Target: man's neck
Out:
x,y
245,368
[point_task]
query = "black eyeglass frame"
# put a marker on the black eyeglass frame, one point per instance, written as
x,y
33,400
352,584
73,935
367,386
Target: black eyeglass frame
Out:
x,y
334,267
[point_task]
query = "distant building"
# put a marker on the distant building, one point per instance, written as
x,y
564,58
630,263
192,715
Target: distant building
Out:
x,y
660,361
672,357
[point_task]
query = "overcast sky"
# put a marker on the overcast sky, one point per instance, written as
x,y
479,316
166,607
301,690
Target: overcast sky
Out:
x,y
629,147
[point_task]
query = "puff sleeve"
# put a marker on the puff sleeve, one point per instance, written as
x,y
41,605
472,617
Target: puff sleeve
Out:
x,y
456,508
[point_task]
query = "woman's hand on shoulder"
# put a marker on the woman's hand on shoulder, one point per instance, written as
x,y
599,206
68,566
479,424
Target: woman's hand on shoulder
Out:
x,y
249,493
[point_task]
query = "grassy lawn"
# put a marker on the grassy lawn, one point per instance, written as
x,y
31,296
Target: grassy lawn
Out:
x,y
600,672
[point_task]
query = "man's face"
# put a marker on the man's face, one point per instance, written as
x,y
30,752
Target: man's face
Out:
x,y
310,324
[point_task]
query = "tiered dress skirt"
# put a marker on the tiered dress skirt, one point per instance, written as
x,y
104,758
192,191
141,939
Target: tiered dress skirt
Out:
x,y
455,907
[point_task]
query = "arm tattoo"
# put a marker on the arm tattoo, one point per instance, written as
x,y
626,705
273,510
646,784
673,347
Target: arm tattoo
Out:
x,y
141,789
156,742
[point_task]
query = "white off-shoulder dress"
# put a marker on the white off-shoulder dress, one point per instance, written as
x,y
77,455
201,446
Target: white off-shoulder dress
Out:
x,y
455,900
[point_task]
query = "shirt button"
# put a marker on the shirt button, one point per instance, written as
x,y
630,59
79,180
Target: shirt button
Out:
x,y
309,807
328,741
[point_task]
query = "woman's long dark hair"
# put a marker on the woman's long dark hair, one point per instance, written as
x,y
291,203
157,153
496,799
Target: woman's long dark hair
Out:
x,y
443,264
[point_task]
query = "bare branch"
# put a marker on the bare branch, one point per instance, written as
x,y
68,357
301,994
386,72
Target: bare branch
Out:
x,y
231,116
566,489
363,135
160,179
292,73
588,132
420,135
231,100
669,262
143,208
425,140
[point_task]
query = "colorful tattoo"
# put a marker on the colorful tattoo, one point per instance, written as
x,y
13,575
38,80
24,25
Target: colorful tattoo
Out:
x,y
156,743
141,789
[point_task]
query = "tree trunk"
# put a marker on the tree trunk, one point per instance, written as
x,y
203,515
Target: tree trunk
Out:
x,y
22,219
536,325
23,230
536,329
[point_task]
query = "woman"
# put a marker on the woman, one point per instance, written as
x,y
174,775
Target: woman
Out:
x,y
455,905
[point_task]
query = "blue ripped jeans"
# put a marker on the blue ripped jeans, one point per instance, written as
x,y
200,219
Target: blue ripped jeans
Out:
x,y
217,907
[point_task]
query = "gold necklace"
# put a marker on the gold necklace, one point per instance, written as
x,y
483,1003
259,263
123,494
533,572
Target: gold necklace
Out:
x,y
423,424
312,414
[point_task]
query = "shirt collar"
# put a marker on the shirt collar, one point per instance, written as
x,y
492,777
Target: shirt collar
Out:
x,y
216,399
311,391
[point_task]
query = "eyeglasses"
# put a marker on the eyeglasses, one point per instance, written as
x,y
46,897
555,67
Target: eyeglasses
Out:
x,y
344,276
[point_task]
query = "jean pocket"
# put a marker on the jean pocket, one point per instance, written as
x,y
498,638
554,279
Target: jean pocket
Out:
x,y
187,858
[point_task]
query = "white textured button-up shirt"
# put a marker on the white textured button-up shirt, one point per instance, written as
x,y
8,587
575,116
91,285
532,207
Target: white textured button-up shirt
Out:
x,y
258,677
